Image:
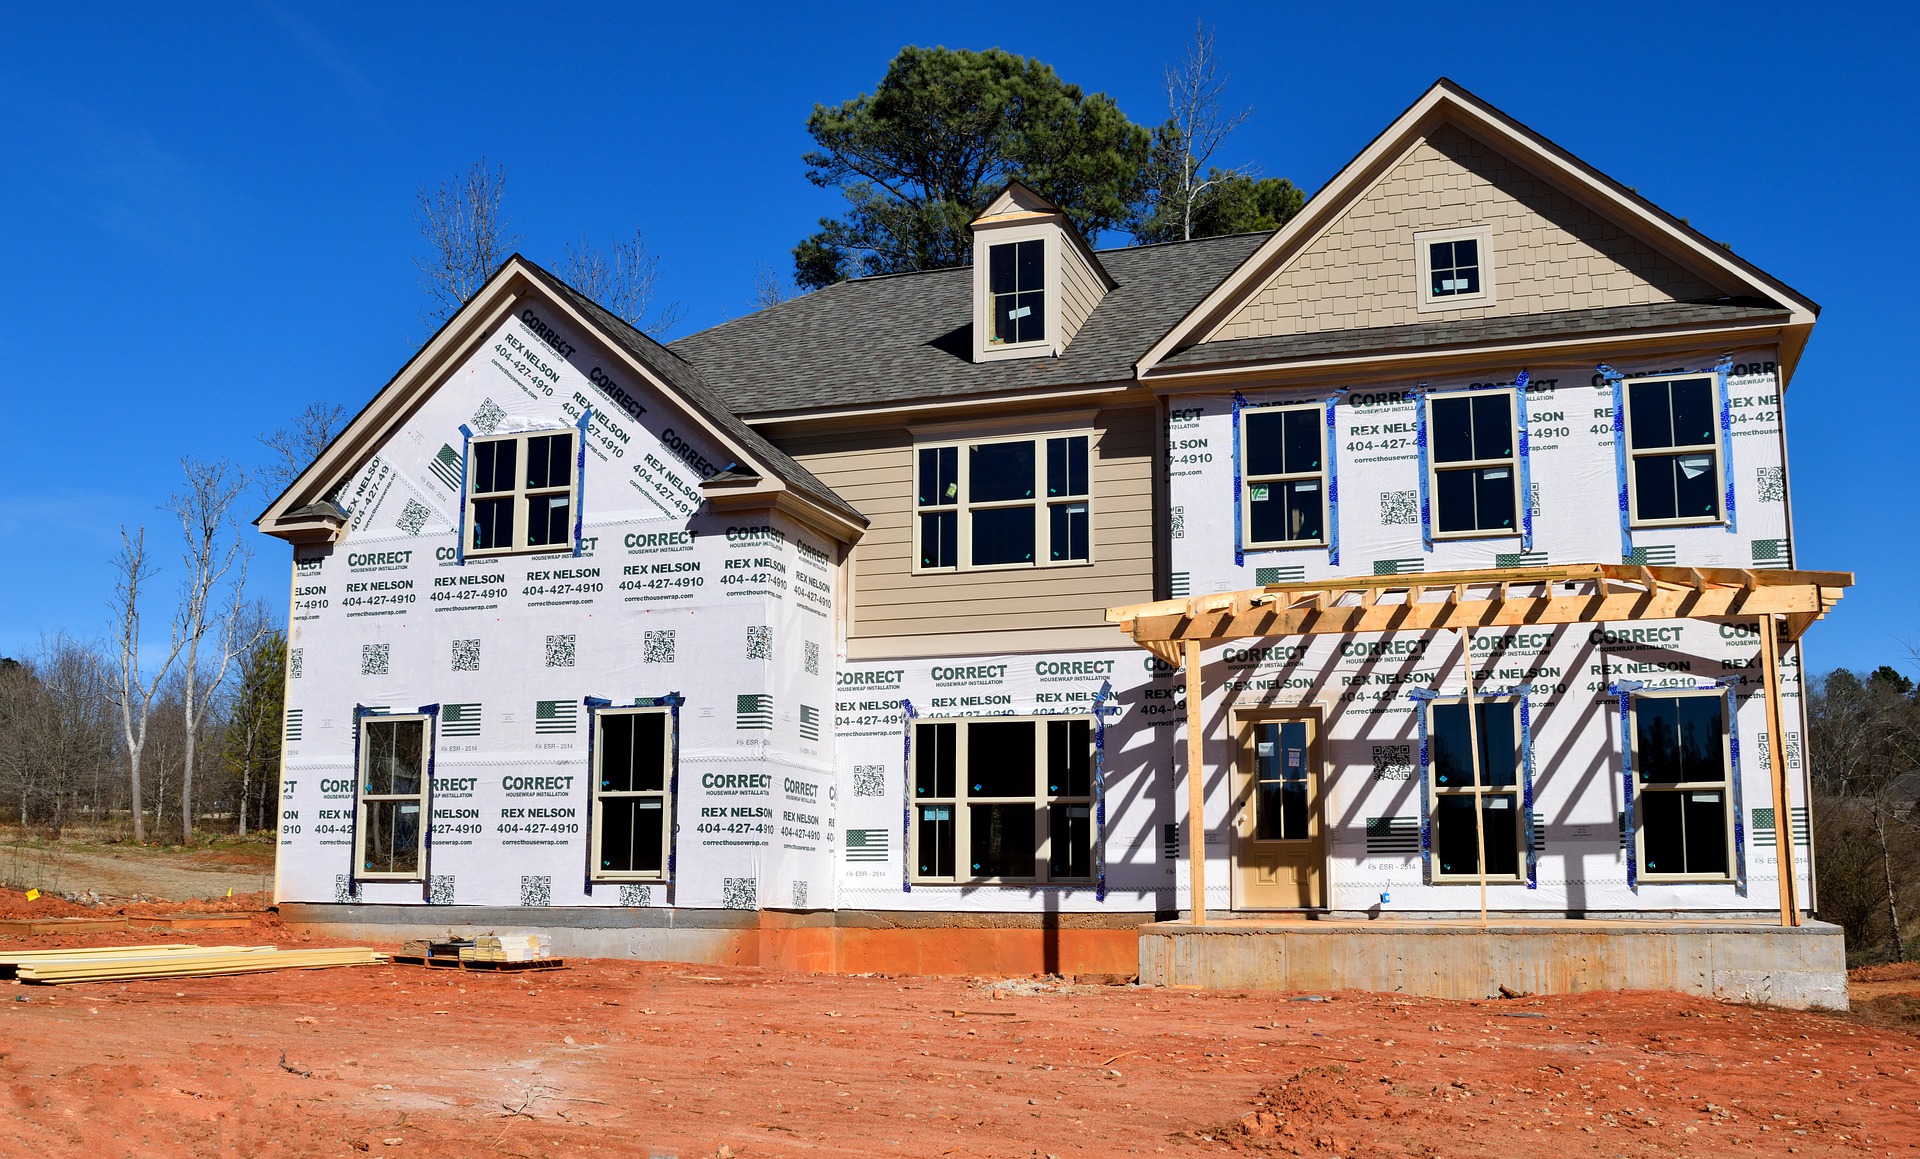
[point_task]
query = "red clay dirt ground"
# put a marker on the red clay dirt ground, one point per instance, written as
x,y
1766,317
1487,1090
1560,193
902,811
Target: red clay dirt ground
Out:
x,y
628,1058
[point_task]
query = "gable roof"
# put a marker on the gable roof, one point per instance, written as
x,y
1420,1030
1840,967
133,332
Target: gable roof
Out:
x,y
903,338
1449,104
298,512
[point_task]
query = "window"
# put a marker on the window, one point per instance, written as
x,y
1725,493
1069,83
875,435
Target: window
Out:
x,y
1003,799
1673,444
1681,763
389,834
1474,473
1455,267
1283,458
1008,503
632,812
1462,783
1280,781
520,493
1017,292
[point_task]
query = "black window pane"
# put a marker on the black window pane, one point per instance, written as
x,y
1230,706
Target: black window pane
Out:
x,y
1493,426
1500,818
1657,739
1663,831
493,465
616,752
1455,846
1466,252
1000,269
1705,818
392,840
492,523
1003,535
1067,533
1654,494
1070,829
549,462
1032,268
1448,739
1000,757
1695,415
1265,435
633,835
1650,415
939,539
1453,500
939,476
1494,499
1067,466
1301,429
934,825
1002,840
1000,471
1696,487
1070,758
549,520
1500,742
1700,723
933,759
1450,429
1466,280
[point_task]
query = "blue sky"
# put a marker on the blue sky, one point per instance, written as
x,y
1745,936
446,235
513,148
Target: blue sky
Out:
x,y
209,211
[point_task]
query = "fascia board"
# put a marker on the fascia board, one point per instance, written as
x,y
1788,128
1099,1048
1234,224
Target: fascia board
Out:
x,y
1446,102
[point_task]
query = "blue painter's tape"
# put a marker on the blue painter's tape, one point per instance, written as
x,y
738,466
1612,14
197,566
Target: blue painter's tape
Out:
x,y
1526,470
1625,690
1101,710
1614,380
1239,538
906,798
1739,797
1333,481
1721,370
1421,697
460,540
580,480
1420,444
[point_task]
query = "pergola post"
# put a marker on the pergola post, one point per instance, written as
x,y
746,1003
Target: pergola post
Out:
x,y
1196,787
1777,772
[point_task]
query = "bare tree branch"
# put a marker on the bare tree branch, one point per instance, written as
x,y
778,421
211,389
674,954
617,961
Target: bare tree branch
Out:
x,y
1195,86
299,444
133,695
464,231
770,287
623,278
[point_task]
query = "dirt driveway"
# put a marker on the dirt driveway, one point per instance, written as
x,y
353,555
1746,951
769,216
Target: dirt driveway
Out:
x,y
125,871
623,1058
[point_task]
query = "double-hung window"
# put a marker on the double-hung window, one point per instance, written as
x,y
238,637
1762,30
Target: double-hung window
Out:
x,y
1283,464
1017,292
1464,782
1003,799
521,492
1682,764
1004,503
1475,477
632,793
1456,268
1673,444
391,826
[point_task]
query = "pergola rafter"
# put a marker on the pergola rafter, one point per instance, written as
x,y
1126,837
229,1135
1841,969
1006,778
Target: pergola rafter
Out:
x,y
1784,602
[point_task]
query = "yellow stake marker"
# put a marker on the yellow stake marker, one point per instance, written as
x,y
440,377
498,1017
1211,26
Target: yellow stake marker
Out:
x,y
33,895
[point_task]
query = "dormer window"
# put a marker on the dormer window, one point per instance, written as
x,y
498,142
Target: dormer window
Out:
x,y
520,493
1456,267
1017,292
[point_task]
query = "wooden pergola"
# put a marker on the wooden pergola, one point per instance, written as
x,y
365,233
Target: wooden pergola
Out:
x,y
1785,603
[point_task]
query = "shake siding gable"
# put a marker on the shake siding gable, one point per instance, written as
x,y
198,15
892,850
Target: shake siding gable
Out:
x,y
1549,253
873,470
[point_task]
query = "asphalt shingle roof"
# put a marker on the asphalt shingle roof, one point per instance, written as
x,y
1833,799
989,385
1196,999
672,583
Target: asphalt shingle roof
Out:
x,y
908,337
1462,332
694,386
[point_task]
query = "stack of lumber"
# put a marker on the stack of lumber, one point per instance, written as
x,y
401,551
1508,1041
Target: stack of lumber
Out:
x,y
125,963
507,948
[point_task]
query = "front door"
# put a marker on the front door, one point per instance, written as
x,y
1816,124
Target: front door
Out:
x,y
1279,851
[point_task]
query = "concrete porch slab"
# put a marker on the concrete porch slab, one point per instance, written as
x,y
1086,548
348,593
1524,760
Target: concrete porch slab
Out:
x,y
1802,967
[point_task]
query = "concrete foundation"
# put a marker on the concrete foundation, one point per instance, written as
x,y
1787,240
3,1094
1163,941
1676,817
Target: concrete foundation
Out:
x,y
1803,967
852,942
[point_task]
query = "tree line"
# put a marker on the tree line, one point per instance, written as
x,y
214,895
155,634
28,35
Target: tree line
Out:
x,y
1864,745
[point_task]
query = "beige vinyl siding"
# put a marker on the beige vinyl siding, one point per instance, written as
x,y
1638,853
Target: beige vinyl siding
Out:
x,y
1080,292
1550,253
873,470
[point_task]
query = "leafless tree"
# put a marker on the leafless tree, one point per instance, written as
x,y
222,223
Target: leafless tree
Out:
x,y
464,231
133,694
212,609
1195,86
297,445
623,278
770,287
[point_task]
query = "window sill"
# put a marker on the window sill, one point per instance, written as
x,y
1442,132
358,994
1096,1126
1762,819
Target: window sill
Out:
x,y
1004,882
387,879
502,552
1682,879
1448,536
1288,545
630,879
1662,524
1453,880
976,569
